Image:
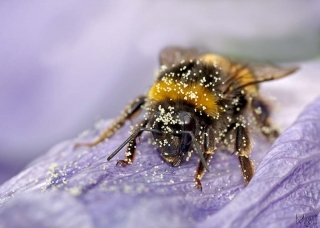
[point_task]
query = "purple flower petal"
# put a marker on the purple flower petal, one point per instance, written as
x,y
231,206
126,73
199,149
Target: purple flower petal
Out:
x,y
285,189
67,187
53,209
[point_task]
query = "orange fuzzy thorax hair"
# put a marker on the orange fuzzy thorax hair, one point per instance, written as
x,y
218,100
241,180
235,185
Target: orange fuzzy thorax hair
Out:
x,y
195,94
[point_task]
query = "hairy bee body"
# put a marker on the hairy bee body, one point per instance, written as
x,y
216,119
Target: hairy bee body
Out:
x,y
200,101
195,86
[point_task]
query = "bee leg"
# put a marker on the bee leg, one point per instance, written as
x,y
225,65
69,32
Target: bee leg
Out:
x,y
200,171
131,149
243,148
209,147
261,113
130,112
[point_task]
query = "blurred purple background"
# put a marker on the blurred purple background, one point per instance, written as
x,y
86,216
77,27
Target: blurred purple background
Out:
x,y
66,64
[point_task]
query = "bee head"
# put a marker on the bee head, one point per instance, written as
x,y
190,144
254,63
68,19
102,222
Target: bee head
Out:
x,y
171,141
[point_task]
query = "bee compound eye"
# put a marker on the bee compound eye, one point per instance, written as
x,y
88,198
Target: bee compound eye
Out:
x,y
188,124
188,121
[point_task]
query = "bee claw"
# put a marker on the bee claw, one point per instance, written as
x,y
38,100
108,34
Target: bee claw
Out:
x,y
123,163
198,184
77,145
83,144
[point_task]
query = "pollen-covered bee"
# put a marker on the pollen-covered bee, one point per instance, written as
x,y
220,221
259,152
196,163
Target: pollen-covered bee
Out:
x,y
198,102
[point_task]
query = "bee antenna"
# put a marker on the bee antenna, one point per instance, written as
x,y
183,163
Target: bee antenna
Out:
x,y
198,150
134,135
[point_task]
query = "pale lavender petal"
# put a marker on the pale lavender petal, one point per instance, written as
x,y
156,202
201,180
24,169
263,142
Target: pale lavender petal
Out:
x,y
54,209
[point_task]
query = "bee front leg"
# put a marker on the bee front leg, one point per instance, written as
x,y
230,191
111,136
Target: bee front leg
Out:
x,y
131,149
209,146
243,148
130,154
132,110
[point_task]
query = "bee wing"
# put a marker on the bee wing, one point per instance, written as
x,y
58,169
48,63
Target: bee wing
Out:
x,y
267,72
259,73
242,75
174,55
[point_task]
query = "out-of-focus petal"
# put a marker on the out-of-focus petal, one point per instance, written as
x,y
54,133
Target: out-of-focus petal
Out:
x,y
54,209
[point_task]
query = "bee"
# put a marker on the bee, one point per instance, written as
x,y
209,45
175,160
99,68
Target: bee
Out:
x,y
200,102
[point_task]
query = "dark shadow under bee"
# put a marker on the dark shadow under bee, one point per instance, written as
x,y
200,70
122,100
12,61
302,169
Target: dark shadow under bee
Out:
x,y
200,101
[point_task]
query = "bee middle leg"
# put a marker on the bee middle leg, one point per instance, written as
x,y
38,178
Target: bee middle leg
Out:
x,y
132,110
209,146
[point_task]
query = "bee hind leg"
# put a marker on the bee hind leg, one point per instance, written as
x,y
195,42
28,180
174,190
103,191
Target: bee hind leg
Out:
x,y
129,113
